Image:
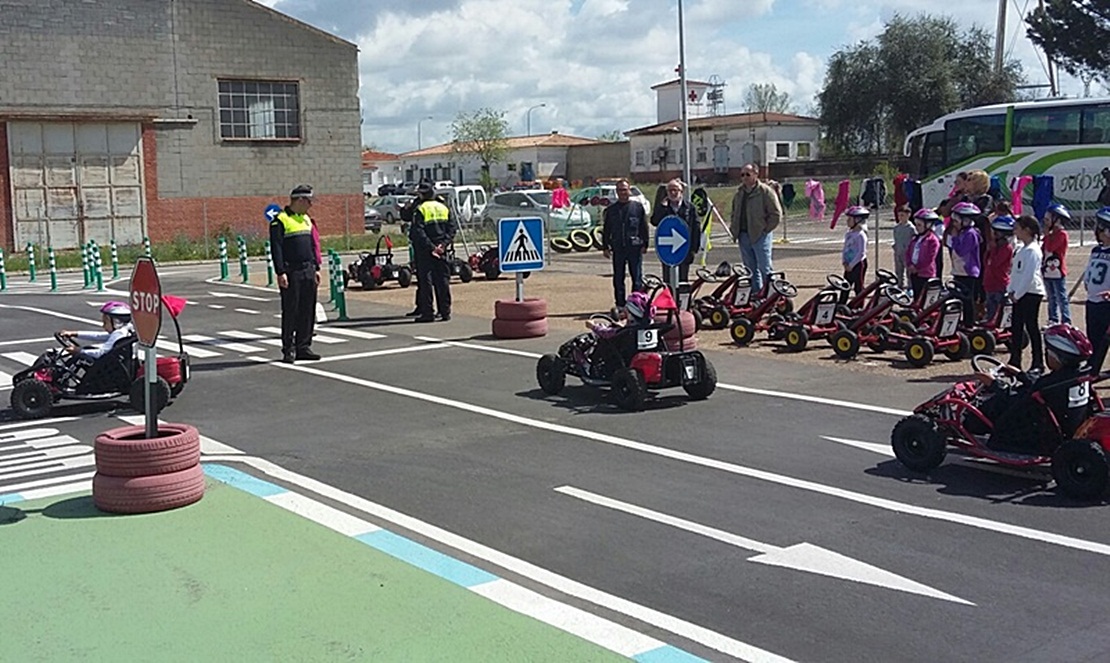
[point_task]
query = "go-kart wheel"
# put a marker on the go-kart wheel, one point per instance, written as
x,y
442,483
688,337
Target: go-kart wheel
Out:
x,y
845,344
466,274
699,323
958,350
919,352
492,271
703,388
560,245
404,277
580,240
776,326
918,444
742,331
368,282
718,317
981,342
904,327
1009,342
796,338
551,374
137,395
629,389
879,336
346,281
1080,469
32,399
596,236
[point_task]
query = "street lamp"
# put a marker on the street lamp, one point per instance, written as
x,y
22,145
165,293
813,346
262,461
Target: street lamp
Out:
x,y
528,116
684,91
418,122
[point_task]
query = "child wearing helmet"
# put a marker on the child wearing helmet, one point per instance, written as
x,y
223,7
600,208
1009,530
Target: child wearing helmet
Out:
x,y
996,268
923,249
1097,280
963,243
854,255
1055,250
116,320
637,311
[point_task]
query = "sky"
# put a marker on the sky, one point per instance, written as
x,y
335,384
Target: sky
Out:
x,y
592,62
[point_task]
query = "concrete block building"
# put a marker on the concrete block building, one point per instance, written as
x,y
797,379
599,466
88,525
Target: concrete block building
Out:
x,y
169,118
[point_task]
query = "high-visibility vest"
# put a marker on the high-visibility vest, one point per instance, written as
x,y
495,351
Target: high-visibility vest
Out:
x,y
433,211
294,224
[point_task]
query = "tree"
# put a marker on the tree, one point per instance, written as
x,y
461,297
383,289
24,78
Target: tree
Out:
x,y
480,135
614,136
1074,33
766,98
849,115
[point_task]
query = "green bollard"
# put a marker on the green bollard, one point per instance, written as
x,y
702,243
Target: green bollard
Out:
x,y
85,272
31,260
146,246
241,244
332,257
269,266
98,267
53,268
90,280
115,260
341,302
223,259
3,273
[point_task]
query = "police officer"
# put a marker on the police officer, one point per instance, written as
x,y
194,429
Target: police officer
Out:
x,y
432,232
298,274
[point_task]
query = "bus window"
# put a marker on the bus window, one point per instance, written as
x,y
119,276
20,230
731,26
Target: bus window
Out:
x,y
932,155
1046,126
972,136
1096,125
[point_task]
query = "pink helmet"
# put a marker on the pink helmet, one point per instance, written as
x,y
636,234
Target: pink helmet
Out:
x,y
1068,342
858,212
966,209
639,306
116,310
927,215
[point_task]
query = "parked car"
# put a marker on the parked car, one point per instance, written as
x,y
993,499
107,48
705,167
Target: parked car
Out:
x,y
389,207
371,220
469,201
390,189
597,198
536,202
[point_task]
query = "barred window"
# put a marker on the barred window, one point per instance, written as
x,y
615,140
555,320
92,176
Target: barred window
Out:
x,y
259,110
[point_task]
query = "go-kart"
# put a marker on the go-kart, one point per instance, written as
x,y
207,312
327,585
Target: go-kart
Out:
x,y
633,362
56,376
372,270
954,421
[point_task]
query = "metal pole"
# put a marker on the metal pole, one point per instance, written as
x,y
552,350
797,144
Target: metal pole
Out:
x,y
1000,36
115,260
223,259
1082,206
31,260
519,287
346,223
3,273
685,101
53,268
204,215
150,366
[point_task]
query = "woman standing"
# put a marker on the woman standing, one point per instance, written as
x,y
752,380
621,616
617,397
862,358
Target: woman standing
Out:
x,y
1026,290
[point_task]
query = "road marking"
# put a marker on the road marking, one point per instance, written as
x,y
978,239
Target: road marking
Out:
x,y
39,483
50,491
248,311
242,335
800,557
22,460
229,345
5,380
327,340
191,350
40,422
559,583
56,314
25,358
484,348
731,468
873,447
353,333
382,353
235,295
218,307
28,341
70,463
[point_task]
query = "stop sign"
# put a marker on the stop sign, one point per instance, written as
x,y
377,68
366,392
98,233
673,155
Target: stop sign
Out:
x,y
146,302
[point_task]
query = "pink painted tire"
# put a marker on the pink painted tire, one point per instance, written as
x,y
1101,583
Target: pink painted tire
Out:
x,y
685,325
125,451
532,308
160,492
520,328
688,343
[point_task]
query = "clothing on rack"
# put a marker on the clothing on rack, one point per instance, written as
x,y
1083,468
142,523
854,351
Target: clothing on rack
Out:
x,y
843,197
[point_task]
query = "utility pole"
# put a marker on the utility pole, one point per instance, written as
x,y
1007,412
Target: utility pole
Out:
x,y
684,105
1000,36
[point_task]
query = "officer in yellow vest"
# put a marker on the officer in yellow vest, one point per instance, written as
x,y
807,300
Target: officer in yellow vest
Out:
x,y
432,232
298,274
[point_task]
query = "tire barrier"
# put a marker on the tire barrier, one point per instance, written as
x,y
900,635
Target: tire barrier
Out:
x,y
137,475
581,240
560,245
683,335
596,235
524,319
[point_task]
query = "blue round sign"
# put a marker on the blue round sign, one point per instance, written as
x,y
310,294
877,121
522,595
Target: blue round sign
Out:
x,y
672,240
272,210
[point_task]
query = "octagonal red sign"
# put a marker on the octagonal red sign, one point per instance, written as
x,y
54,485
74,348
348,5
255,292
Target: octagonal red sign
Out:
x,y
146,302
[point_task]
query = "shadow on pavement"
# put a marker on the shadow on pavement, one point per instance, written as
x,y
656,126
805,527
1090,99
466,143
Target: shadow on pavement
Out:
x,y
74,508
221,365
11,515
583,399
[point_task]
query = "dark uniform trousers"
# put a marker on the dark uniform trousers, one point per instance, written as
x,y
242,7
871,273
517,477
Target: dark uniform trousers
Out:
x,y
298,308
433,275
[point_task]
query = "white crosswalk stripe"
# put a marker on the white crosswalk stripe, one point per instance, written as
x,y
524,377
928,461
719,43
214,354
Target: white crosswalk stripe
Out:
x,y
5,380
318,338
353,333
192,350
241,335
248,311
234,347
25,358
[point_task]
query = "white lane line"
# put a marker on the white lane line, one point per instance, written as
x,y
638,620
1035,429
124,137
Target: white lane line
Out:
x,y
873,447
248,311
37,457
327,340
65,489
39,483
25,358
559,583
27,341
192,350
40,422
270,330
70,463
731,468
382,353
318,512
353,333
275,342
1034,474
5,380
484,348
56,314
218,307
234,295
241,335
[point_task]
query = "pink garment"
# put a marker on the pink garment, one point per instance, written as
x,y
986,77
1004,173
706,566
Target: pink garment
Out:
x,y
1015,197
316,245
816,194
560,198
842,198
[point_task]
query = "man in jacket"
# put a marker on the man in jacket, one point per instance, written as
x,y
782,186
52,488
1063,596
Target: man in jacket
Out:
x,y
433,230
624,238
297,266
675,205
756,212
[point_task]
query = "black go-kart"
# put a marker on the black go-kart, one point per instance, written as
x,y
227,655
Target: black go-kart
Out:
x,y
632,363
372,270
460,267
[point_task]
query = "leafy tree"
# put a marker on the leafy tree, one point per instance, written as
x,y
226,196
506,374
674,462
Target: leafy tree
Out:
x,y
849,113
614,136
1074,33
480,135
766,98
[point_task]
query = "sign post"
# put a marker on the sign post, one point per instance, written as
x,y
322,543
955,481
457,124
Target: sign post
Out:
x,y
672,245
520,245
146,314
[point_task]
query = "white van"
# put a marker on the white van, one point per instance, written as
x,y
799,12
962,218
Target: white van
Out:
x,y
469,200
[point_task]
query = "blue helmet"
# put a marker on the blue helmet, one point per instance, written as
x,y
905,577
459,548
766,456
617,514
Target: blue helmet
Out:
x,y
1003,224
1102,216
1060,211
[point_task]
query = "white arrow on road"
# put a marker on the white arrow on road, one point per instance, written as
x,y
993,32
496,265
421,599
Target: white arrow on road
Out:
x,y
233,295
800,557
675,240
874,447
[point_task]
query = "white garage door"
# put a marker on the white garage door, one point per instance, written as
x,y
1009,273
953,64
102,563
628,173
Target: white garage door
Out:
x,y
72,182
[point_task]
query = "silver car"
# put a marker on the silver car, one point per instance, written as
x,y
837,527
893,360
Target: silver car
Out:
x,y
536,202
389,207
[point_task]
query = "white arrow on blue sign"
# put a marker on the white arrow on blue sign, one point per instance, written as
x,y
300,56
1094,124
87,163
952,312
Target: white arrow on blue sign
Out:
x,y
272,210
520,244
672,240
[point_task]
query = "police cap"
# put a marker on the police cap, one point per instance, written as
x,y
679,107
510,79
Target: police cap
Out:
x,y
301,191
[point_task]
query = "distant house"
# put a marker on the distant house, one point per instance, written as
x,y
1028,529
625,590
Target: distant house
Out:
x,y
529,158
379,168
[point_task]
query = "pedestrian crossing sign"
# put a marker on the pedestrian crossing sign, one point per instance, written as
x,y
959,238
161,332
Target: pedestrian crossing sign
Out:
x,y
520,244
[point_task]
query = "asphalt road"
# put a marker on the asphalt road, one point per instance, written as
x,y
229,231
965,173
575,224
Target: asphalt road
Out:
x,y
734,525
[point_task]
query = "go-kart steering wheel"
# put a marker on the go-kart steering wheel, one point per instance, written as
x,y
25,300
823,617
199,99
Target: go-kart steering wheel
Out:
x,y
839,282
739,269
993,367
706,275
652,281
602,318
784,288
897,295
65,341
886,276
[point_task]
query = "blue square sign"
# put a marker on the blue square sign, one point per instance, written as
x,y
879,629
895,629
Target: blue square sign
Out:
x,y
520,244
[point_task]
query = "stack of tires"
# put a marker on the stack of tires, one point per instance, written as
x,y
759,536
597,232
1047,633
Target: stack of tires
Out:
x,y
137,475
524,319
683,336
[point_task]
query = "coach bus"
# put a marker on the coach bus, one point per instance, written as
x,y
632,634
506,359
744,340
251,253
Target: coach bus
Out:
x,y
1066,138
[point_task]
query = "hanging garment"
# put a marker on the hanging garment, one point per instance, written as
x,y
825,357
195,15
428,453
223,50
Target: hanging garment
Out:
x,y
874,192
816,194
1017,186
995,192
560,198
900,197
912,191
1043,189
788,194
843,195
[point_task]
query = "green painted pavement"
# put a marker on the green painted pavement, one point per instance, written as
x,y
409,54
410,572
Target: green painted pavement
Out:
x,y
234,578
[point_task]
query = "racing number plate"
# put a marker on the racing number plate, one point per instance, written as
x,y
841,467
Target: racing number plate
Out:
x,y
689,370
647,339
381,260
948,325
1007,317
825,313
931,297
741,296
